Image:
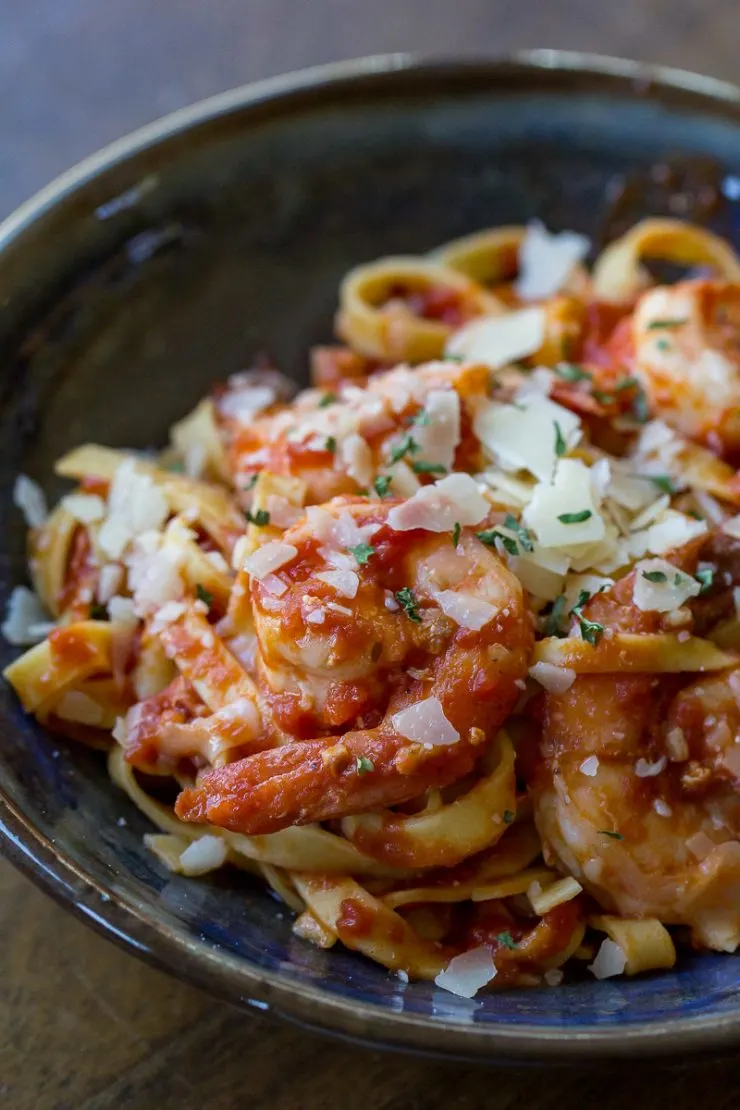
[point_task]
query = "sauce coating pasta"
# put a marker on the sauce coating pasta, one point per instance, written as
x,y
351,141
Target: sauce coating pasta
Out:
x,y
445,648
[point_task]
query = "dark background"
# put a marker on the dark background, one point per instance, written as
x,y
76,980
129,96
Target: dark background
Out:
x,y
82,1025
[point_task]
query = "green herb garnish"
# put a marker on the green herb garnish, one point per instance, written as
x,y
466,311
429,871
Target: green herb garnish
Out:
x,y
626,383
98,612
422,419
655,324
555,616
706,577
328,399
251,482
204,595
524,537
575,518
508,816
363,765
591,631
663,345
457,529
507,940
330,444
570,372
663,482
560,445
407,600
428,468
602,397
655,576
407,446
260,517
610,832
490,536
640,409
382,484
362,552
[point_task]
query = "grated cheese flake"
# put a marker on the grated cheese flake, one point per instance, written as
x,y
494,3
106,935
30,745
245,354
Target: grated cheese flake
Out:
x,y
554,679
455,499
29,498
467,973
660,587
498,340
525,437
610,960
87,508
425,723
467,611
546,260
207,853
563,512
269,558
135,505
26,621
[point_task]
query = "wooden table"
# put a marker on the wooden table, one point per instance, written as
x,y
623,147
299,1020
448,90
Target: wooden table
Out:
x,y
84,1026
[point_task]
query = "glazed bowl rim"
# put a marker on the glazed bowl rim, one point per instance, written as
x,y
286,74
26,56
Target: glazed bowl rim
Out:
x,y
232,977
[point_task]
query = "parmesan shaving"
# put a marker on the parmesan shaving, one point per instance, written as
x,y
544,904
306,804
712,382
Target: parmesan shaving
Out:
x,y
526,437
610,961
660,587
269,558
207,853
25,619
425,723
465,975
455,499
554,679
498,340
29,498
546,260
467,611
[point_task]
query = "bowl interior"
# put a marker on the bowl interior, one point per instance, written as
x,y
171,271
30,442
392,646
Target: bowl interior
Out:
x,y
174,266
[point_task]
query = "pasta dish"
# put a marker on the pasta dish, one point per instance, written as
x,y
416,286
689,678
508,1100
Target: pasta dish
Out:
x,y
446,647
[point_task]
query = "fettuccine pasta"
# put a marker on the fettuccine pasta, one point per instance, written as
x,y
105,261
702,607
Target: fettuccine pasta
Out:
x,y
445,649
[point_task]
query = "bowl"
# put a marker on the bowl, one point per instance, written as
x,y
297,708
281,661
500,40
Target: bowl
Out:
x,y
167,262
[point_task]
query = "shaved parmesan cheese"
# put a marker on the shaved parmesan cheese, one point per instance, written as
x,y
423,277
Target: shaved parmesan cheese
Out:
x,y
547,260
154,573
204,854
555,679
700,845
439,438
121,611
246,398
525,438
732,527
170,612
29,498
316,616
345,582
466,974
629,490
404,482
610,960
590,767
662,808
541,571
87,508
274,585
671,530
538,383
355,458
135,505
650,513
578,583
109,582
498,340
569,493
663,596
78,707
269,558
601,476
464,609
25,618
647,770
425,723
455,499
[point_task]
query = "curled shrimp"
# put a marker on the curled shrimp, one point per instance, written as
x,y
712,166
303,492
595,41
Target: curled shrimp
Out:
x,y
637,790
415,422
359,641
687,357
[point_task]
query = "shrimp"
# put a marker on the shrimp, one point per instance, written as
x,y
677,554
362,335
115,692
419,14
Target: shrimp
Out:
x,y
637,788
365,640
687,357
418,422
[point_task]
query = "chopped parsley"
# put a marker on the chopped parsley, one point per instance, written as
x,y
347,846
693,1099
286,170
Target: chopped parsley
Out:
x,y
260,517
407,600
610,832
362,552
524,537
663,345
407,446
363,765
655,576
456,534
626,383
490,536
428,468
591,631
602,397
382,484
555,616
98,612
508,816
706,577
422,419
251,482
507,940
328,399
330,444
570,372
560,445
575,518
640,409
655,324
204,595
664,482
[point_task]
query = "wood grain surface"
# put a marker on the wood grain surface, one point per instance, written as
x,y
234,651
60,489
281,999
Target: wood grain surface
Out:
x,y
84,1026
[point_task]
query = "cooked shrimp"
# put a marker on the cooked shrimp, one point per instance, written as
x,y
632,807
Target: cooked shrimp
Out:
x,y
338,441
364,636
687,357
637,792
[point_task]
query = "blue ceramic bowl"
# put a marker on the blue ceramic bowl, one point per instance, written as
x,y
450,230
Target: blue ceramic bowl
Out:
x,y
165,263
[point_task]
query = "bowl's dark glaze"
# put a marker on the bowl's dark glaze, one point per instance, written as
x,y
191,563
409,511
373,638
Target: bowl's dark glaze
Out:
x,y
169,262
